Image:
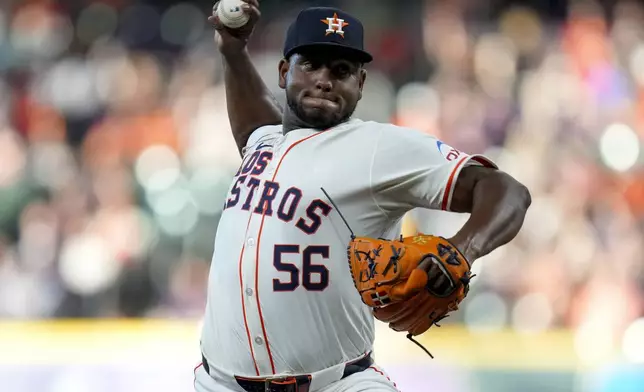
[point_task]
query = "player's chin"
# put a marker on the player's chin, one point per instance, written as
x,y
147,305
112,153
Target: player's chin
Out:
x,y
321,119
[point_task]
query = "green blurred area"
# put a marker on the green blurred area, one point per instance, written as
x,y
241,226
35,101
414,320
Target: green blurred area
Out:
x,y
465,360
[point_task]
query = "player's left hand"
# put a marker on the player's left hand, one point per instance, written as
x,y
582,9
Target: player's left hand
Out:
x,y
410,283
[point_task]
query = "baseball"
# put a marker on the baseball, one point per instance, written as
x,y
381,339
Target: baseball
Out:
x,y
231,14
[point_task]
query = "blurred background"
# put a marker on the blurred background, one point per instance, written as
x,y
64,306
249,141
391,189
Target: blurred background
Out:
x,y
116,156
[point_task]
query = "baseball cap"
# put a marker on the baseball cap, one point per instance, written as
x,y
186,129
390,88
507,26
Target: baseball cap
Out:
x,y
326,27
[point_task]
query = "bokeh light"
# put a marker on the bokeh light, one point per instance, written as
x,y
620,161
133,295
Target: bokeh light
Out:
x,y
38,32
86,264
182,24
53,164
139,24
13,156
377,102
619,147
96,21
175,210
485,312
208,189
418,106
636,63
495,62
69,87
633,342
157,168
523,27
3,27
544,220
594,343
532,313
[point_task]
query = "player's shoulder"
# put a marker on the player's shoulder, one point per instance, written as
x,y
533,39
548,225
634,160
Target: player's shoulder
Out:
x,y
397,141
263,134
389,129
394,134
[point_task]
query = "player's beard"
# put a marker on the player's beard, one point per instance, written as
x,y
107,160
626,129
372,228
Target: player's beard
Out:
x,y
321,120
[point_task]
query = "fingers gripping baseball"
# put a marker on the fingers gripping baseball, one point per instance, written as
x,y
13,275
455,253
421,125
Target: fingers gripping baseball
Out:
x,y
250,8
229,39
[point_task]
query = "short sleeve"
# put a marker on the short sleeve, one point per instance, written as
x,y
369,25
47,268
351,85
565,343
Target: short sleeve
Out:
x,y
410,169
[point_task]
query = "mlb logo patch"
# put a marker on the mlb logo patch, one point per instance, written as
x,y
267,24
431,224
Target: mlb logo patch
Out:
x,y
448,152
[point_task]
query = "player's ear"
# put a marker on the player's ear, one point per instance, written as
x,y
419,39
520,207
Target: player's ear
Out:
x,y
363,77
283,70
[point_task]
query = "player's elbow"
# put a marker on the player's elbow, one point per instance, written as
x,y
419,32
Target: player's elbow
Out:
x,y
485,188
525,196
513,192
521,194
517,195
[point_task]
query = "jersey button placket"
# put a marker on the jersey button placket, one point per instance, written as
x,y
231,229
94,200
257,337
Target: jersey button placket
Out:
x,y
252,312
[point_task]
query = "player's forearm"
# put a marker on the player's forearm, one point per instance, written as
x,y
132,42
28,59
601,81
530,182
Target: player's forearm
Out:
x,y
499,206
250,103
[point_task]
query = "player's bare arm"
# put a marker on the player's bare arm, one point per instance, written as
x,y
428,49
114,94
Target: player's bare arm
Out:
x,y
249,102
498,204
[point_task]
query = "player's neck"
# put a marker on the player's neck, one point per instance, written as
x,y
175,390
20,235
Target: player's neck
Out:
x,y
288,127
291,122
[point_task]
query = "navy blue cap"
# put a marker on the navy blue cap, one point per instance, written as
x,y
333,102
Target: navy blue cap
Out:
x,y
329,27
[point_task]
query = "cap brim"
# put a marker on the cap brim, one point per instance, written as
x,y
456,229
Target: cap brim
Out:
x,y
342,50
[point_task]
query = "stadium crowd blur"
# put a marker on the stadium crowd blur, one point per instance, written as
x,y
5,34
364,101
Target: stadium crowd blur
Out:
x,y
116,153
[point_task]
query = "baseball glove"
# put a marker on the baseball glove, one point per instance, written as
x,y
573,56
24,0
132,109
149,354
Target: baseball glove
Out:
x,y
411,283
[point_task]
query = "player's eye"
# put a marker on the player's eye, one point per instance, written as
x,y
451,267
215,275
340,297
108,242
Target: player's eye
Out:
x,y
344,69
309,65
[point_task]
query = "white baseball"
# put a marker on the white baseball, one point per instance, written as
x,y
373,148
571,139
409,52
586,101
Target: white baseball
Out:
x,y
231,14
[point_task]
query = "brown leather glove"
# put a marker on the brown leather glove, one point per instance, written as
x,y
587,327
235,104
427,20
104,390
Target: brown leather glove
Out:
x,y
410,283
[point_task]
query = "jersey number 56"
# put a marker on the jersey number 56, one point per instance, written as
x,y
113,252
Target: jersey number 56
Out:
x,y
315,277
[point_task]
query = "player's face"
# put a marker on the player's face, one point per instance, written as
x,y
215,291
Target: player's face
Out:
x,y
321,90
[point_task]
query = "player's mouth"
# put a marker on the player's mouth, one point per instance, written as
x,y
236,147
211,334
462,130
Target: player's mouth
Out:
x,y
320,103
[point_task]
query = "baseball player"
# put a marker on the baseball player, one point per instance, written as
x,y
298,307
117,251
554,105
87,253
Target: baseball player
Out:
x,y
283,312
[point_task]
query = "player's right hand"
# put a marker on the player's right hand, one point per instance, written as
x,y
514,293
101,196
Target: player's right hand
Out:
x,y
233,41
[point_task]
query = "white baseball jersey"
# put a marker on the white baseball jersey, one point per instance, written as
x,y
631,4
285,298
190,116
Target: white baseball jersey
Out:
x,y
281,299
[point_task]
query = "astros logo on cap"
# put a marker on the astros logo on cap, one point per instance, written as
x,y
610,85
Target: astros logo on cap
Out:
x,y
335,25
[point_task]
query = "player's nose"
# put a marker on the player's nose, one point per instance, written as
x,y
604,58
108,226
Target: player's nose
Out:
x,y
323,80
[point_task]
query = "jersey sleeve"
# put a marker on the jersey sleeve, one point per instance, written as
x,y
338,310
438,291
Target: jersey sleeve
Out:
x,y
410,169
